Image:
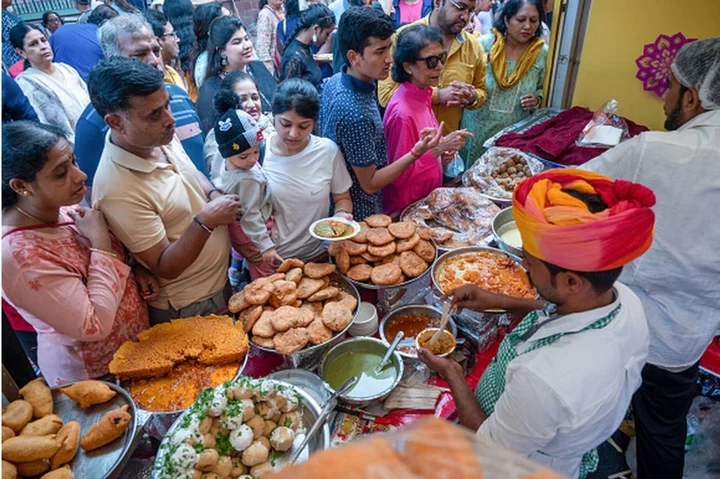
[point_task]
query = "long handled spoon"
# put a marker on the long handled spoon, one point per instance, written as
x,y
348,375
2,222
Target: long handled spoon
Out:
x,y
443,322
383,362
327,409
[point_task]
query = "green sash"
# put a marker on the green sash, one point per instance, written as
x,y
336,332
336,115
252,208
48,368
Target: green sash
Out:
x,y
492,383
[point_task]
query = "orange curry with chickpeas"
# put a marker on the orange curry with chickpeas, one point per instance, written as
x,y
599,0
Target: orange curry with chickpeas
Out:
x,y
490,270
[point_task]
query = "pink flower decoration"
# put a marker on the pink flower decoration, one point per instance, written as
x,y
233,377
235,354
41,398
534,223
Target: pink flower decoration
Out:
x,y
654,64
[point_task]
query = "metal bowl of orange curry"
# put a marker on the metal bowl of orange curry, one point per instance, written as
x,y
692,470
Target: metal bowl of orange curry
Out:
x,y
411,320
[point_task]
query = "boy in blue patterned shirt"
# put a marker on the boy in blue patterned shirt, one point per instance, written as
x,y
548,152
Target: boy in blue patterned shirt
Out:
x,y
349,114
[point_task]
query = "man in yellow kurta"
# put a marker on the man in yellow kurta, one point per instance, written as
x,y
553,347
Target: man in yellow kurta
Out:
x,y
462,82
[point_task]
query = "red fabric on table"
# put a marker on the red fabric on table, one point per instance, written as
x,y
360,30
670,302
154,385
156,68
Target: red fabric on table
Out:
x,y
445,407
554,139
711,359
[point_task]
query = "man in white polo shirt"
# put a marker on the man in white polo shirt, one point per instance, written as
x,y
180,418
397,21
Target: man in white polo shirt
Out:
x,y
678,280
154,199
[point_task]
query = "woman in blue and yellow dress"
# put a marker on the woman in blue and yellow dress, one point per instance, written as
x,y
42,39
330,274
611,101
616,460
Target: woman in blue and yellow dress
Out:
x,y
515,74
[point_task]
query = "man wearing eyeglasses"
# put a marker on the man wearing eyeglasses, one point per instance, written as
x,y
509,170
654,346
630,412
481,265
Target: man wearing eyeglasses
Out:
x,y
462,82
170,44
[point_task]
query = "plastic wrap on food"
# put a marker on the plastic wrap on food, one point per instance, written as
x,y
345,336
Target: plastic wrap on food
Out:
x,y
428,449
499,170
454,217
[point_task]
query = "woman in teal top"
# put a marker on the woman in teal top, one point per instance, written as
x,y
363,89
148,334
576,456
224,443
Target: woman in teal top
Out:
x,y
516,55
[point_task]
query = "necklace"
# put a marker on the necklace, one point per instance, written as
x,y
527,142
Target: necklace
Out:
x,y
31,216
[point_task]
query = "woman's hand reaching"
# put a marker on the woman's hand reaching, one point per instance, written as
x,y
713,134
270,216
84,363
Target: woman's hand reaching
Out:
x,y
452,142
429,139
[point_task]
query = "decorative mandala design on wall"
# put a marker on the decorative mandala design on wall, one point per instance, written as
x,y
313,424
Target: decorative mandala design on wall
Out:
x,y
654,64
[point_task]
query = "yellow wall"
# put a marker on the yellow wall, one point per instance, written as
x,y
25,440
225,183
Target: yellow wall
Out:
x,y
616,33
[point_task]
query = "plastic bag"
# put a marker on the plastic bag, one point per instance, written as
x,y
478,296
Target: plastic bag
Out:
x,y
496,173
702,456
606,129
454,217
702,444
455,168
428,449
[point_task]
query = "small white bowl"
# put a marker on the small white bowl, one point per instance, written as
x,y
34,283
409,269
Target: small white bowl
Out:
x,y
431,332
366,322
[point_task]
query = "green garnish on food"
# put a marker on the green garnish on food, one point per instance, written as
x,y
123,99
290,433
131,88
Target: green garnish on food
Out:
x,y
222,443
234,408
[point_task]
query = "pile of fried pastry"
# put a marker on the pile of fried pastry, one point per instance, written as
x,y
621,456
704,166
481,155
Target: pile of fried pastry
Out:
x,y
299,305
35,441
383,253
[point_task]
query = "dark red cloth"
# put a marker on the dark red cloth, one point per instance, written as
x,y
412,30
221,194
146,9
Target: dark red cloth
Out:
x,y
554,139
16,321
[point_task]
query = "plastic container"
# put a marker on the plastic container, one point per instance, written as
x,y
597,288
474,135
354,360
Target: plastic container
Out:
x,y
366,321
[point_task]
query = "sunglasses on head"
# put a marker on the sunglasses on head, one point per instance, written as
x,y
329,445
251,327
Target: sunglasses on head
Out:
x,y
459,6
433,60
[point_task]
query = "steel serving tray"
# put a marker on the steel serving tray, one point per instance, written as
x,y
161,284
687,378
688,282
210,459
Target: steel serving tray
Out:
x,y
107,461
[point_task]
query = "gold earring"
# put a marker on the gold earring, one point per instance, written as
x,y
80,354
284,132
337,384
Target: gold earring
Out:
x,y
25,193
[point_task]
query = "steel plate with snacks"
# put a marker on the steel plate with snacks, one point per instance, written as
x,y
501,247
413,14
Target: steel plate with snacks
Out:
x,y
311,354
107,460
489,268
215,404
498,171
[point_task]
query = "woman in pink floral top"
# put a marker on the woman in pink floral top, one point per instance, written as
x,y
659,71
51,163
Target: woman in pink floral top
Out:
x,y
62,270
271,13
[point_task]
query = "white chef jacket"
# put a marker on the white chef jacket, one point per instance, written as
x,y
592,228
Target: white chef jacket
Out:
x,y
564,399
678,279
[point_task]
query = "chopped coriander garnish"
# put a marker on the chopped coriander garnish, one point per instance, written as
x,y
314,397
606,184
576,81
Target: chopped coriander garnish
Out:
x,y
222,443
234,408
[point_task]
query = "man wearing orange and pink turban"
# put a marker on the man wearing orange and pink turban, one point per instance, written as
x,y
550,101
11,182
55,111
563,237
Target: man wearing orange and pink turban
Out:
x,y
563,379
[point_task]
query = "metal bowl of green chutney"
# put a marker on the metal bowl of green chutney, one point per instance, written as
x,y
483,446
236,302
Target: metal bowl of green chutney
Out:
x,y
358,357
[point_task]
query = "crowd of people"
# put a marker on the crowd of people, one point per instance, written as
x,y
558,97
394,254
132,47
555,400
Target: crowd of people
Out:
x,y
146,151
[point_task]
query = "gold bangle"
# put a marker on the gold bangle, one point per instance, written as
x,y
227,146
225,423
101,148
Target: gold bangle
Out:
x,y
103,252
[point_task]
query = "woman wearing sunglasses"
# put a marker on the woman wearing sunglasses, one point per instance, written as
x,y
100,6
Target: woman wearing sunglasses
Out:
x,y
418,61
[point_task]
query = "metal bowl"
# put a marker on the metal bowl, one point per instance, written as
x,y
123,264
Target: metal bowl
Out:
x,y
440,262
310,412
412,309
105,461
368,345
301,357
305,380
503,222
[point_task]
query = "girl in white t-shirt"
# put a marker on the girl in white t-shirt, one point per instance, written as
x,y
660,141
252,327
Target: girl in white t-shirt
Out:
x,y
306,172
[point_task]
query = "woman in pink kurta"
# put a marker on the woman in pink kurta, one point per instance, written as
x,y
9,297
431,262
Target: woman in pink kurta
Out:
x,y
62,270
418,62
